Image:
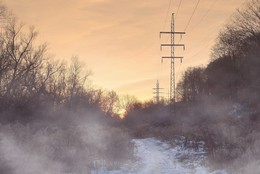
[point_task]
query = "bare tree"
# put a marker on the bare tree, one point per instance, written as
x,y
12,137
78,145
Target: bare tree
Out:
x,y
19,58
109,101
237,49
233,39
193,84
76,80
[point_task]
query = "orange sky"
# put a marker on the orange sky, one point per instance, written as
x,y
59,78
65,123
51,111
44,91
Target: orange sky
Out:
x,y
119,39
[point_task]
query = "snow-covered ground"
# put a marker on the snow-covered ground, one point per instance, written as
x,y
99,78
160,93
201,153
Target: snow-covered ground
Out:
x,y
156,157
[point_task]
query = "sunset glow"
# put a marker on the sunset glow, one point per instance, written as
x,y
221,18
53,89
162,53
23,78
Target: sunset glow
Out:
x,y
119,39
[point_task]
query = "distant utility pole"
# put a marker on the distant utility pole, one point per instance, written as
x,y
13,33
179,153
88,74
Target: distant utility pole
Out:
x,y
157,92
172,57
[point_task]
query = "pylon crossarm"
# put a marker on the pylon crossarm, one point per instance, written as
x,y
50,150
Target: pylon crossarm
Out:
x,y
172,57
168,32
173,45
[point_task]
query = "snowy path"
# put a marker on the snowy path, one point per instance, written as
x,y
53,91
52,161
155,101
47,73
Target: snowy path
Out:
x,y
156,157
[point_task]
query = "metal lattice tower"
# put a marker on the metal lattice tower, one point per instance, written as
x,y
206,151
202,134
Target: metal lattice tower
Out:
x,y
172,76
157,92
172,57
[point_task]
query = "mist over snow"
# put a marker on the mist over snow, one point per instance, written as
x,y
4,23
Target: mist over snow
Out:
x,y
70,144
155,156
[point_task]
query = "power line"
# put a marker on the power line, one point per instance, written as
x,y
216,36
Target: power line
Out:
x,y
206,44
205,15
178,9
190,21
177,12
192,15
178,72
169,7
212,32
203,41
197,24
203,47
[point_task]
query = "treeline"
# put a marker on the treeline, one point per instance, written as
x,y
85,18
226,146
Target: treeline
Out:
x,y
232,79
233,72
30,78
219,103
51,118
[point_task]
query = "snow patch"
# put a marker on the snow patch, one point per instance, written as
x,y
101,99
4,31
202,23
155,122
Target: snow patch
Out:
x,y
157,157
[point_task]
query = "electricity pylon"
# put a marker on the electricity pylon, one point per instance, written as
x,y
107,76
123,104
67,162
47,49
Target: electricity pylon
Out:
x,y
172,57
157,92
